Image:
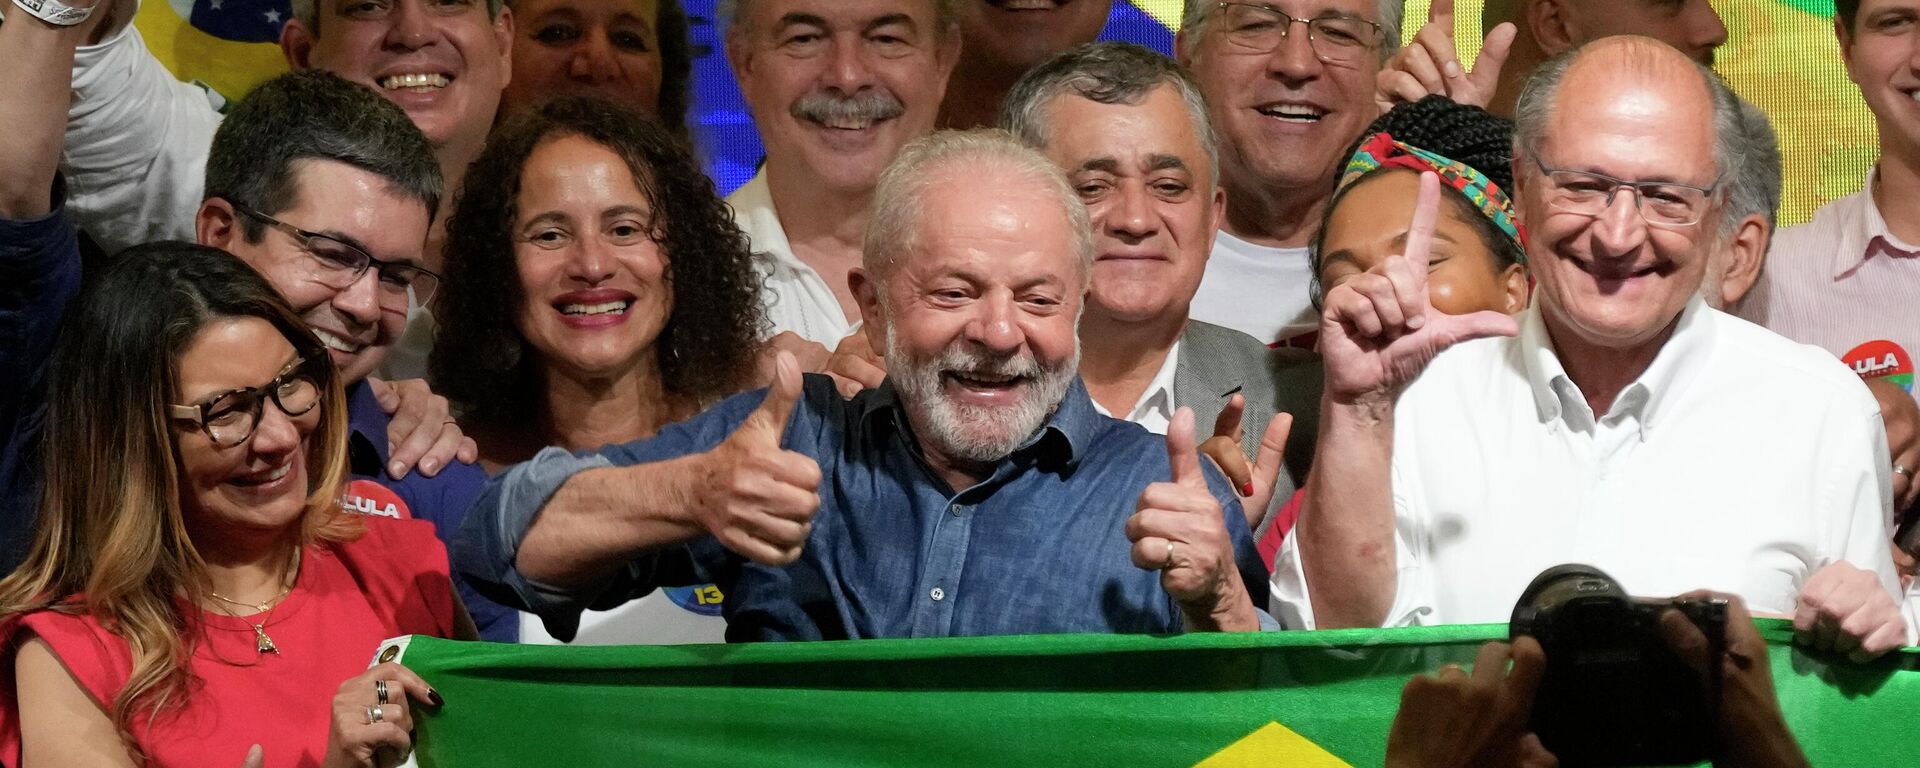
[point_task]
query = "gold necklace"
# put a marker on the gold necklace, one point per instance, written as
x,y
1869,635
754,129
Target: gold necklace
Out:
x,y
263,644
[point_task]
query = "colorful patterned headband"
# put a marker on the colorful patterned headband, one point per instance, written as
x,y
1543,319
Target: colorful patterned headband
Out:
x,y
1381,151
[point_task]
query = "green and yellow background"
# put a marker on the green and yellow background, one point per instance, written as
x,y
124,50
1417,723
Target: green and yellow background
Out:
x,y
1781,54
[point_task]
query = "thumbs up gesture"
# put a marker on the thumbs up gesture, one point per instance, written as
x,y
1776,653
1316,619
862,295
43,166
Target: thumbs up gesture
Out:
x,y
758,499
1380,329
1178,529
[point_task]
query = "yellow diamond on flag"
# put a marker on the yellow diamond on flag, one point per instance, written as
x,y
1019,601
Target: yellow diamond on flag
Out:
x,y
1274,744
1167,12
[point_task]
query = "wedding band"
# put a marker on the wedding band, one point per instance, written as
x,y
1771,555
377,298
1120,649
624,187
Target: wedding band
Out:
x,y
375,715
380,691
1169,556
1900,470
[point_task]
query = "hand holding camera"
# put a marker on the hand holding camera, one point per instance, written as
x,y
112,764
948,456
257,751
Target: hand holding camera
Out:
x,y
1453,719
1753,732
1600,678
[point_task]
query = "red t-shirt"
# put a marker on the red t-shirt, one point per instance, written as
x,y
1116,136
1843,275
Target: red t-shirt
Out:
x,y
347,599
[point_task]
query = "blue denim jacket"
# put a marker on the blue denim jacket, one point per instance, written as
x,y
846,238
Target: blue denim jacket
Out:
x,y
1038,547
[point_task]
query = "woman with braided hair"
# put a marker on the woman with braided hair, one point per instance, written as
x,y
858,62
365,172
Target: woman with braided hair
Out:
x,y
1479,256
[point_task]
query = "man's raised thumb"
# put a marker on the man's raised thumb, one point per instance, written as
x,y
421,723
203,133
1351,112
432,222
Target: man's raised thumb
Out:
x,y
1182,452
782,394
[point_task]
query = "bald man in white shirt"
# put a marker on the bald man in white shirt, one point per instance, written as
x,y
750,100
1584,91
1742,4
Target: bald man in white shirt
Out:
x,y
1620,422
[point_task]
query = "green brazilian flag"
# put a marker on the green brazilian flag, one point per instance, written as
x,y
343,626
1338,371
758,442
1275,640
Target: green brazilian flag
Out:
x,y
1298,699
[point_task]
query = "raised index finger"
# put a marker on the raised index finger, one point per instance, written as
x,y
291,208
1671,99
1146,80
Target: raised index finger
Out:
x,y
1441,11
1426,212
1227,424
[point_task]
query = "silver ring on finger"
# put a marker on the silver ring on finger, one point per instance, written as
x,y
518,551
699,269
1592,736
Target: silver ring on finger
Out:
x,y
1900,470
1169,555
380,691
375,714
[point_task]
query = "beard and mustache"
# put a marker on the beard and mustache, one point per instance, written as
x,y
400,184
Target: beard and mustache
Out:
x,y
969,432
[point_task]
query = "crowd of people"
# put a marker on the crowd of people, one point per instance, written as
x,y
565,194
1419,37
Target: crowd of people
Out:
x,y
1012,332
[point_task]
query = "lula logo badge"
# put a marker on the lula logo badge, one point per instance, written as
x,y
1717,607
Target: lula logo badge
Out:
x,y
1882,359
367,497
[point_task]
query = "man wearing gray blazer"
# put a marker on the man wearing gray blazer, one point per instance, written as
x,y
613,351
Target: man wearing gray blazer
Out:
x,y
1130,130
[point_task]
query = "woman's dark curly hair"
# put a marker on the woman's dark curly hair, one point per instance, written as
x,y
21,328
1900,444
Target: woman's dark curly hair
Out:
x,y
1470,135
708,347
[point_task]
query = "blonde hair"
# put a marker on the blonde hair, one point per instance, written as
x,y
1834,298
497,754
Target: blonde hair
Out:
x,y
111,541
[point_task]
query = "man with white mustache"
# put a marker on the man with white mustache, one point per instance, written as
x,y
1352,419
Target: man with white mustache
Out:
x,y
836,87
975,492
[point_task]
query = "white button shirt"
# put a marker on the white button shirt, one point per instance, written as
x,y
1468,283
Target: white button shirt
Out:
x,y
1154,411
1739,461
798,299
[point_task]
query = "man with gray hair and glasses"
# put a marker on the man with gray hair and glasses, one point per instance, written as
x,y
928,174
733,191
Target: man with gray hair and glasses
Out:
x,y
1289,85
1619,422
1131,132
975,492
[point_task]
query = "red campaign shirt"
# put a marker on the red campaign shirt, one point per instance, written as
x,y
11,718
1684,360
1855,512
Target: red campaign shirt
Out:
x,y
347,599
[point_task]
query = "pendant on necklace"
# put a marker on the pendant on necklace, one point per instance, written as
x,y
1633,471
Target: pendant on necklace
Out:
x,y
262,643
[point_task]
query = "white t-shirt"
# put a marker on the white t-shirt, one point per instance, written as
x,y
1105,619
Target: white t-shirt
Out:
x,y
1739,462
136,149
1256,290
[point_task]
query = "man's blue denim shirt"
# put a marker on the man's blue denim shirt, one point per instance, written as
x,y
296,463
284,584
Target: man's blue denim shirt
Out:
x,y
1039,547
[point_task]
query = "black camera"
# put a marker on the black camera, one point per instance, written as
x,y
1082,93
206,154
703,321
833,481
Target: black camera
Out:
x,y
1613,692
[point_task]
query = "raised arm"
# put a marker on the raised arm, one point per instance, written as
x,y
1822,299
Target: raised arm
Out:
x,y
137,140
755,497
39,259
33,109
1379,332
562,533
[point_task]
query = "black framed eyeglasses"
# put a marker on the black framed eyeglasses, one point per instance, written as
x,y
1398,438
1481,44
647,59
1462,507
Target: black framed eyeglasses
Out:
x,y
230,417
338,264
1335,38
1661,203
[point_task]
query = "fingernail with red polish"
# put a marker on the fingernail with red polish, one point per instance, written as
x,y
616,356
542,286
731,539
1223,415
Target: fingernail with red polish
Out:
x,y
1246,488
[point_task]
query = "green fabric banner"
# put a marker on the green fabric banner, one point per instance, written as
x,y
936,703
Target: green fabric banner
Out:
x,y
1302,699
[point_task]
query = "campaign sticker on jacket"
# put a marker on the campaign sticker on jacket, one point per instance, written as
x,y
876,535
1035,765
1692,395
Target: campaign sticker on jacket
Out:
x,y
367,497
1882,359
703,599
